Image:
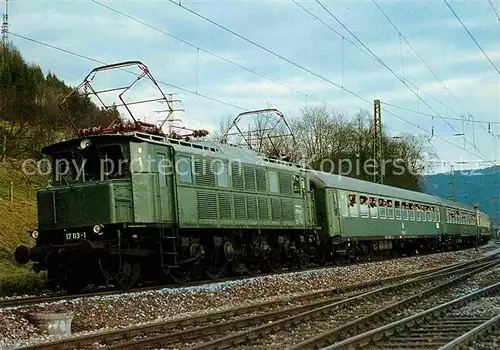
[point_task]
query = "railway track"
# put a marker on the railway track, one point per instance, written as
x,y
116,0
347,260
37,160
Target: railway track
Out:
x,y
53,298
203,330
447,326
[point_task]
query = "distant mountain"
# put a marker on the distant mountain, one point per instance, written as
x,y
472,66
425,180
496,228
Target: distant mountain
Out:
x,y
482,186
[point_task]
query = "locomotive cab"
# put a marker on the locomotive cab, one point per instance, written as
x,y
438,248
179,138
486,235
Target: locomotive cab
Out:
x,y
88,198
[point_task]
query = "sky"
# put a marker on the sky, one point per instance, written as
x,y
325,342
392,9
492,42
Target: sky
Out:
x,y
415,56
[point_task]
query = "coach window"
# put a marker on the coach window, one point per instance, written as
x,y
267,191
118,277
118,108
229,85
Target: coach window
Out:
x,y
382,211
343,205
398,209
185,170
373,207
405,210
353,205
429,214
363,206
390,209
412,211
417,212
434,214
273,182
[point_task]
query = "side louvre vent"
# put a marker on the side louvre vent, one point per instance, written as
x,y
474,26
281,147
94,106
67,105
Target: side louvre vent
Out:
x,y
261,180
276,209
288,210
263,208
237,175
204,175
249,179
240,210
285,183
207,205
224,206
252,207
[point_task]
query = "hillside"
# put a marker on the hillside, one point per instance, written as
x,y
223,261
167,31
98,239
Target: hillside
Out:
x,y
16,219
482,186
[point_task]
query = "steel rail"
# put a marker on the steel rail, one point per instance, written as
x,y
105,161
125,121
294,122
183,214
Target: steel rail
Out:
x,y
163,326
473,334
352,328
231,325
38,300
256,332
377,334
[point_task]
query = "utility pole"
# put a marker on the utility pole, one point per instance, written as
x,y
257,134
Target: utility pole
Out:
x,y
452,183
5,24
378,176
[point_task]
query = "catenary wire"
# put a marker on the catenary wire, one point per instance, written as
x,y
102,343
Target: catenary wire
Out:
x,y
439,137
101,62
494,10
304,68
434,116
208,97
409,82
420,58
137,20
396,75
472,36
310,13
271,52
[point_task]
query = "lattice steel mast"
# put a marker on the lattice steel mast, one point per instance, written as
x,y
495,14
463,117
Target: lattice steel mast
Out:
x,y
5,24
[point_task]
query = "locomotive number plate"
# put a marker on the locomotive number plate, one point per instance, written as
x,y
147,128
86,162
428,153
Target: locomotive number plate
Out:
x,y
75,235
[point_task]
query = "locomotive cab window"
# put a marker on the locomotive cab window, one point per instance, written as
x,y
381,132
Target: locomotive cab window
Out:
x,y
273,182
63,167
163,170
113,161
221,170
184,169
296,184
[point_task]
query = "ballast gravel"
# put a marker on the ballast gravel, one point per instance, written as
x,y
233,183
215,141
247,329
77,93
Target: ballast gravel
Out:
x,y
103,313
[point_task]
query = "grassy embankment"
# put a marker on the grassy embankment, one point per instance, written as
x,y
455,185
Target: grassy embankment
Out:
x,y
16,219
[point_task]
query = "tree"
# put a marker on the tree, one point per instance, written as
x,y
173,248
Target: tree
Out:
x,y
30,117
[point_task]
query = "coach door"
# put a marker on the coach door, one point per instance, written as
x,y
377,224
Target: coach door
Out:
x,y
334,218
164,184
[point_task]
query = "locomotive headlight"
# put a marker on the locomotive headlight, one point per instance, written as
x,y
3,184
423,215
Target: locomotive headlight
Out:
x,y
34,234
98,229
